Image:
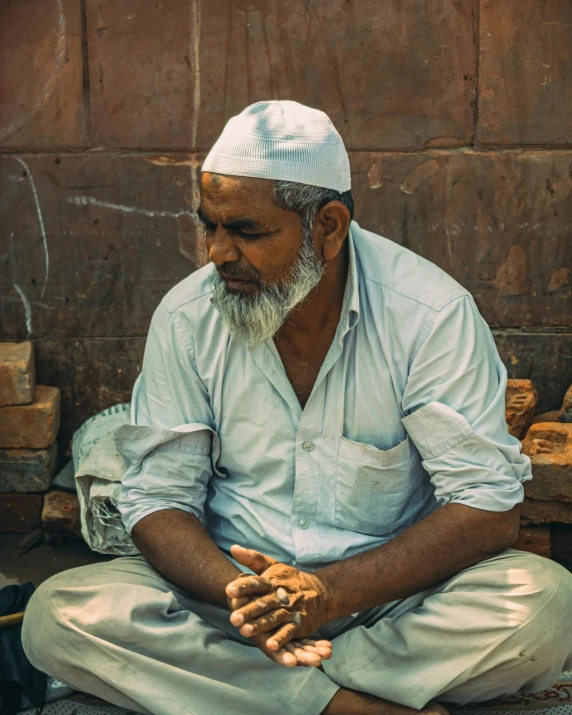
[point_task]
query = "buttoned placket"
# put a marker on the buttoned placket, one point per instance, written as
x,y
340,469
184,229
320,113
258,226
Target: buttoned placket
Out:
x,y
303,520
309,446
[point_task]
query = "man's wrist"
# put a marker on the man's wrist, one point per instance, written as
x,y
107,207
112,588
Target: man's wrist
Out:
x,y
327,597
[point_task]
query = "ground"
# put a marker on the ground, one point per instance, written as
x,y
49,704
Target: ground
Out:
x,y
42,561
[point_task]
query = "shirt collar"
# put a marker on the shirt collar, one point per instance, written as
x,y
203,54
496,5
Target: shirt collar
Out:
x,y
351,306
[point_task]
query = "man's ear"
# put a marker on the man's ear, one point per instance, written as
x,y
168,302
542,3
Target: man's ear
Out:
x,y
331,227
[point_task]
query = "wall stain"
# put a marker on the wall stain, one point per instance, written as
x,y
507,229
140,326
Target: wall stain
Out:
x,y
419,175
511,275
375,176
558,278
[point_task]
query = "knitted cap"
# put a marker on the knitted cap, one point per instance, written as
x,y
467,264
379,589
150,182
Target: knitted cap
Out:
x,y
285,141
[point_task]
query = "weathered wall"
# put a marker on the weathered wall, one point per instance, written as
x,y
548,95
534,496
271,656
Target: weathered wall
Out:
x,y
456,113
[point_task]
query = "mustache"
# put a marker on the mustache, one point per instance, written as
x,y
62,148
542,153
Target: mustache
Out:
x,y
230,270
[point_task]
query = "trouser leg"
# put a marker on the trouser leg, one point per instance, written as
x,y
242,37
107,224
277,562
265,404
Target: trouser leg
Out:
x,y
497,628
120,631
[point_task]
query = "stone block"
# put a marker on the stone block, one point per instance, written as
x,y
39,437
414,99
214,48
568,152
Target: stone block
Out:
x,y
391,74
525,73
498,222
534,511
101,214
566,412
477,217
92,374
41,75
543,355
17,373
521,399
27,470
32,426
20,513
61,516
536,540
552,416
549,446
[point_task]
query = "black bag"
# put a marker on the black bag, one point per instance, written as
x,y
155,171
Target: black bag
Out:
x,y
17,675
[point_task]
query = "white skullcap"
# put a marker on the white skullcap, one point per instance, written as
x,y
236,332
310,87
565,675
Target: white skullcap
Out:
x,y
285,141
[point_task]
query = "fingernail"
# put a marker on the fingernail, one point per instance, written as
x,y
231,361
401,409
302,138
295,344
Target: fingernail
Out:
x,y
238,619
248,630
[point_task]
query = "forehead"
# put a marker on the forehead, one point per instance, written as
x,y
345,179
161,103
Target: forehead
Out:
x,y
220,192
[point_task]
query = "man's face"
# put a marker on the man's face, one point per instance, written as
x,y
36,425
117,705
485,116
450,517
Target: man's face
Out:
x,y
265,262
248,234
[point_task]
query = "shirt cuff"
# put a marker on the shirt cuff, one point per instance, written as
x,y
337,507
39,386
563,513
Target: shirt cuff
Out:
x,y
464,467
166,469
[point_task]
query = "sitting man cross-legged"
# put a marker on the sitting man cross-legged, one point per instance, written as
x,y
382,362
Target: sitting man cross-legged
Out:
x,y
319,474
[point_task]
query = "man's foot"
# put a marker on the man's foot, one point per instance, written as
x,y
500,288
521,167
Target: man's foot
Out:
x,y
350,702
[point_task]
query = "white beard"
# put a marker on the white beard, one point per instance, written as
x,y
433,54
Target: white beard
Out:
x,y
252,319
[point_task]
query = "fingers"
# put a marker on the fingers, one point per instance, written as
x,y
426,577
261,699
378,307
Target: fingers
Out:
x,y
322,648
302,652
253,559
282,636
266,623
247,586
237,603
283,657
313,642
253,609
303,656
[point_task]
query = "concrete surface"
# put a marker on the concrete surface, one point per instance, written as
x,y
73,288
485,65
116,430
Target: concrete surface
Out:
x,y
41,562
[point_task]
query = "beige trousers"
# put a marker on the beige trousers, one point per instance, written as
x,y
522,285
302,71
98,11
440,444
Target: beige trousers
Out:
x,y
121,631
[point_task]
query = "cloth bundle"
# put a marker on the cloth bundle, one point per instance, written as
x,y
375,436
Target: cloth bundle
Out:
x,y
99,469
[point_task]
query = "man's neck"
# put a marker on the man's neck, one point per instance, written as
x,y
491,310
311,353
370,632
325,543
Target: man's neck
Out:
x,y
322,308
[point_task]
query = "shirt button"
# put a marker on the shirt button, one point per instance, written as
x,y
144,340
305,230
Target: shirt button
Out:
x,y
303,523
308,446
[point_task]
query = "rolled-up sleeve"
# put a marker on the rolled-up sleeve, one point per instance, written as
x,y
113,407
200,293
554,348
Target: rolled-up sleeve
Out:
x,y
170,449
454,406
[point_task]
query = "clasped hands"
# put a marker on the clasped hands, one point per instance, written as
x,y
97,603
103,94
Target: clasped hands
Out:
x,y
278,608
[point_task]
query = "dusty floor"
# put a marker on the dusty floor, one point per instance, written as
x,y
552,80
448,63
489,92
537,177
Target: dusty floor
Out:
x,y
42,561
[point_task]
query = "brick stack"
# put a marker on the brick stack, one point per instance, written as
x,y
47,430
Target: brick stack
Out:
x,y
29,423
547,440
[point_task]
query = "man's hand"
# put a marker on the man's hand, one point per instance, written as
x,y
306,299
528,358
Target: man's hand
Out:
x,y
305,652
278,607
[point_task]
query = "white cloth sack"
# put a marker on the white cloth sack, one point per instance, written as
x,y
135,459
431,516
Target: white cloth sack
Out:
x,y
99,469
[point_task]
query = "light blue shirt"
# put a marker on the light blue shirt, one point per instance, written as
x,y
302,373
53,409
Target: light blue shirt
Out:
x,y
407,414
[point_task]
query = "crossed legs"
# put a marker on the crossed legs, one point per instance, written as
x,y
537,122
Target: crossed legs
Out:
x,y
120,631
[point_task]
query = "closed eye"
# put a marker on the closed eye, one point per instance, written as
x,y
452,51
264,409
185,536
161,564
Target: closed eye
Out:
x,y
249,236
209,227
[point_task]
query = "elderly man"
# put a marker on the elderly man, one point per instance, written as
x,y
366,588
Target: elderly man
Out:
x,y
319,473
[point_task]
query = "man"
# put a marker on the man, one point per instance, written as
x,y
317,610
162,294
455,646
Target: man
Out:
x,y
319,473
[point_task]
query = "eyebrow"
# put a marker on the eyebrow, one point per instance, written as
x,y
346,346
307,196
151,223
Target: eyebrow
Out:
x,y
237,224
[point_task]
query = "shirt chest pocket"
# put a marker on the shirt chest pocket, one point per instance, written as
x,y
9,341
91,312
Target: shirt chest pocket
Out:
x,y
376,490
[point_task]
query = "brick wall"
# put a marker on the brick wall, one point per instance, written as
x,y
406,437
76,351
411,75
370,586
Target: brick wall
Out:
x,y
456,113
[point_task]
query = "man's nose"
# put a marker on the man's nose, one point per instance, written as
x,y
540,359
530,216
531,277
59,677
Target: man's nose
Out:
x,y
221,248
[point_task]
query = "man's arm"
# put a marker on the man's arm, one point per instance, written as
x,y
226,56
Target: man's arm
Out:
x,y
178,546
450,539
447,541
169,465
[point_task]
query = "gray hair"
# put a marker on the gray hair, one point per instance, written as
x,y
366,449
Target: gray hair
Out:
x,y
307,200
